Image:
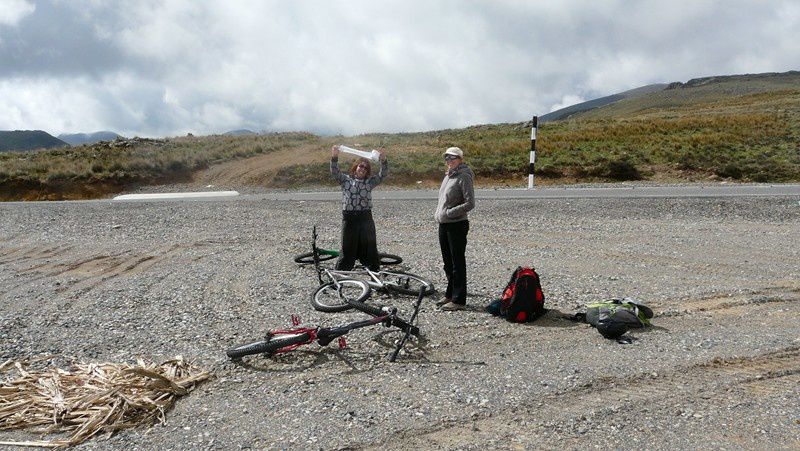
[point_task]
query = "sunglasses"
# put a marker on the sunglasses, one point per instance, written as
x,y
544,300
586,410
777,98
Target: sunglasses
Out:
x,y
450,157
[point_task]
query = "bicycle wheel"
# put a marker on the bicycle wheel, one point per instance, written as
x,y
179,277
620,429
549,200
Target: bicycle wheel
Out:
x,y
328,299
268,346
405,283
389,259
308,257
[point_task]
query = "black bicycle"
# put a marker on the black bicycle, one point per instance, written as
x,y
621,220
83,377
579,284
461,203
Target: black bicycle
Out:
x,y
286,340
329,254
336,286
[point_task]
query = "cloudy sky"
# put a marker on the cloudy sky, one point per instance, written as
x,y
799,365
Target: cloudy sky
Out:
x,y
169,67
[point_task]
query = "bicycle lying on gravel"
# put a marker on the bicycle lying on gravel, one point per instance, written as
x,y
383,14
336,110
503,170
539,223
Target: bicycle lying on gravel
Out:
x,y
286,340
328,254
341,286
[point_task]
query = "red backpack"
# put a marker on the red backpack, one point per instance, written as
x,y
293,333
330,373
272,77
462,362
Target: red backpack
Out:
x,y
522,300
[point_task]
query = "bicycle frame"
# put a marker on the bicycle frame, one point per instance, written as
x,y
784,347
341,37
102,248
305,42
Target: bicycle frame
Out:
x,y
402,342
335,275
328,252
325,335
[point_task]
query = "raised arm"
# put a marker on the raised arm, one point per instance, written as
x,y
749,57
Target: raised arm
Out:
x,y
335,172
375,180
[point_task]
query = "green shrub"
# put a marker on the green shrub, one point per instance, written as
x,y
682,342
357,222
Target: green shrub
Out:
x,y
622,170
176,166
730,171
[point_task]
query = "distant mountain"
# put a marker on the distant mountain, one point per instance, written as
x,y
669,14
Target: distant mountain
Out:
x,y
602,101
76,139
761,81
22,140
706,90
658,97
240,132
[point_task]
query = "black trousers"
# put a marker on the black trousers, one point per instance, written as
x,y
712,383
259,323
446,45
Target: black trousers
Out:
x,y
453,242
358,241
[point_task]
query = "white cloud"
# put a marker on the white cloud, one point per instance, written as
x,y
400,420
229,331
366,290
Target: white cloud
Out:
x,y
154,68
52,105
12,11
566,101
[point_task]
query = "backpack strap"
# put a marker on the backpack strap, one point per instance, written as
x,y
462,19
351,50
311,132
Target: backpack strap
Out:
x,y
646,311
579,317
510,282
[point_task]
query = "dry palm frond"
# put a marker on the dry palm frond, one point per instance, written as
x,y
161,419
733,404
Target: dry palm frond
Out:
x,y
92,398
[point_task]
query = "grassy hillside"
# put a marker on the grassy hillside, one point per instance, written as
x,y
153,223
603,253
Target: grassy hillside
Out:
x,y
742,128
731,94
571,110
90,171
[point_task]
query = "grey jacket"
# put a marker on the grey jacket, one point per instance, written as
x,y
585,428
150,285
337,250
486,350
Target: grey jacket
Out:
x,y
456,196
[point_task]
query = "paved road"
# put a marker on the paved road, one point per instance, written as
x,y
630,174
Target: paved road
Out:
x,y
612,191
559,193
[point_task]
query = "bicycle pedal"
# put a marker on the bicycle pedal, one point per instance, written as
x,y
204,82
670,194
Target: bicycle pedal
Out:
x,y
342,343
295,320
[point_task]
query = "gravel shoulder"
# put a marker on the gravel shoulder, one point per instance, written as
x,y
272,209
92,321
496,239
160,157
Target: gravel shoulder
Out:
x,y
106,281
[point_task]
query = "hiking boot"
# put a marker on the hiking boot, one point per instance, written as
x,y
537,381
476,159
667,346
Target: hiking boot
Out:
x,y
452,307
443,301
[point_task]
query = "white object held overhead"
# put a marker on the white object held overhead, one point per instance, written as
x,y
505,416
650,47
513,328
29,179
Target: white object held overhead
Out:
x,y
374,155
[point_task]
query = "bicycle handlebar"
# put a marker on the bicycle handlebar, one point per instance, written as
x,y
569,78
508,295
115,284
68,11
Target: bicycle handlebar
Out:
x,y
402,342
325,335
392,318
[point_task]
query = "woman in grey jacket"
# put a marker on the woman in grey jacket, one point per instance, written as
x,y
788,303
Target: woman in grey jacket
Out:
x,y
456,198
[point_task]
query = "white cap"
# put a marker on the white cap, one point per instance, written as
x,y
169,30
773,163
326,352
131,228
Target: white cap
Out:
x,y
454,151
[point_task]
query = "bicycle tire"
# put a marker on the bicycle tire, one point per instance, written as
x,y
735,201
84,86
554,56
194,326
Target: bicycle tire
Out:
x,y
269,346
406,283
327,299
308,258
389,259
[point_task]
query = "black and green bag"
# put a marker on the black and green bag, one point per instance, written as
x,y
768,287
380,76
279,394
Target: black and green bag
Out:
x,y
614,317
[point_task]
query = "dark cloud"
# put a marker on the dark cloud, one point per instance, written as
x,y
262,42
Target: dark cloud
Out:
x,y
57,40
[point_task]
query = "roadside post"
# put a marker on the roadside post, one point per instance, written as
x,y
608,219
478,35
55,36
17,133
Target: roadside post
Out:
x,y
533,152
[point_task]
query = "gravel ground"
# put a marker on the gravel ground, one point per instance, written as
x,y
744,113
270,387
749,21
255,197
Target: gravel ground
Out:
x,y
105,281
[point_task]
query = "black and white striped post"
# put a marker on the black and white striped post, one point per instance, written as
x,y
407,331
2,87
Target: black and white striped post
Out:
x,y
533,152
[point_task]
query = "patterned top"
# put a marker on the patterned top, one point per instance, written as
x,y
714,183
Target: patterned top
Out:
x,y
357,193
